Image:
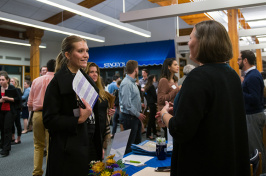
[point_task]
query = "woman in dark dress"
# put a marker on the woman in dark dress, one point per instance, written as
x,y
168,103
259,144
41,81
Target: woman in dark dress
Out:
x,y
209,124
7,112
151,97
74,132
106,103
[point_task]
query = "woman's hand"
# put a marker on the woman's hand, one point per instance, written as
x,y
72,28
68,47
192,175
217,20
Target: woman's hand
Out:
x,y
84,113
171,108
166,108
6,98
111,112
159,120
2,100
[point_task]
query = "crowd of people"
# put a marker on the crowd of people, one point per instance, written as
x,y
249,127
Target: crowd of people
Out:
x,y
215,117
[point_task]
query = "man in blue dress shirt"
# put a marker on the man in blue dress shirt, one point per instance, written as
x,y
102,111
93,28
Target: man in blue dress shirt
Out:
x,y
130,104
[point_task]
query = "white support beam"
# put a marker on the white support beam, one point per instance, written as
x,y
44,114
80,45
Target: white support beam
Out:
x,y
255,46
246,47
187,9
183,48
251,32
182,39
48,27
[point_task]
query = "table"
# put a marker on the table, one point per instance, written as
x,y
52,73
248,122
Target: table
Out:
x,y
130,170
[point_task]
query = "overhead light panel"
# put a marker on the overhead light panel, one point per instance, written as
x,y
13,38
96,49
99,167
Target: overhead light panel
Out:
x,y
85,12
18,42
262,39
48,27
255,24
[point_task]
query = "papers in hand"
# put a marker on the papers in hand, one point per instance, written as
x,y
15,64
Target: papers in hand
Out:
x,y
139,160
84,89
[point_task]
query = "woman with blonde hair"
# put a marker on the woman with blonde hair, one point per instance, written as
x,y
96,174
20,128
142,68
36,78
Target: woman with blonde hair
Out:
x,y
106,103
18,104
74,130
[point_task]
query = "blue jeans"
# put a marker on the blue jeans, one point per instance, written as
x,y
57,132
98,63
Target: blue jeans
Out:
x,y
133,123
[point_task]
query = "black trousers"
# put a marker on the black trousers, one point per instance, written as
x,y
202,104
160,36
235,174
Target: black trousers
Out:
x,y
17,124
151,123
6,123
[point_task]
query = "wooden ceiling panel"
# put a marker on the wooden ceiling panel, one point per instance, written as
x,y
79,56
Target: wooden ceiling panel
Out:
x,y
194,19
13,34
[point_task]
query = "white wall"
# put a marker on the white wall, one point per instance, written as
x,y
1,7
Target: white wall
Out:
x,y
23,52
8,50
50,52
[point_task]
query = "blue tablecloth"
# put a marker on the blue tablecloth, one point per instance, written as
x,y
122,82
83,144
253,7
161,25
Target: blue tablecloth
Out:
x,y
130,170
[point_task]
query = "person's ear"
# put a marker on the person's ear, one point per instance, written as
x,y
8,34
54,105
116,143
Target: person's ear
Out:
x,y
67,55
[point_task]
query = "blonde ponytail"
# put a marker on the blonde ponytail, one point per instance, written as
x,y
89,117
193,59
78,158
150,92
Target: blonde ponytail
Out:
x,y
60,60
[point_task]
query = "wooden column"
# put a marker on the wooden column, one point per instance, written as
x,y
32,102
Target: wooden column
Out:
x,y
233,34
35,36
259,58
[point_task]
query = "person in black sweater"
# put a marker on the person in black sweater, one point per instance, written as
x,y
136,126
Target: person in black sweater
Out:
x,y
151,97
208,122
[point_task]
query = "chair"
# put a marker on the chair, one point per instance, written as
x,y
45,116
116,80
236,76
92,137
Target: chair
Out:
x,y
256,164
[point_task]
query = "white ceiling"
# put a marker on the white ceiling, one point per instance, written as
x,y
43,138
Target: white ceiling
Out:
x,y
38,11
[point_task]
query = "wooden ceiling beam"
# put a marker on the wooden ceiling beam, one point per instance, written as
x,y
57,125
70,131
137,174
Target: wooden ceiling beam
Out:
x,y
13,34
186,31
59,17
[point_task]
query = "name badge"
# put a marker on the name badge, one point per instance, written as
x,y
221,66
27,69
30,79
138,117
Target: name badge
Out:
x,y
173,86
76,112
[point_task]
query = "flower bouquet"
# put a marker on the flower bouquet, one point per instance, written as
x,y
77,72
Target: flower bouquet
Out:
x,y
99,168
